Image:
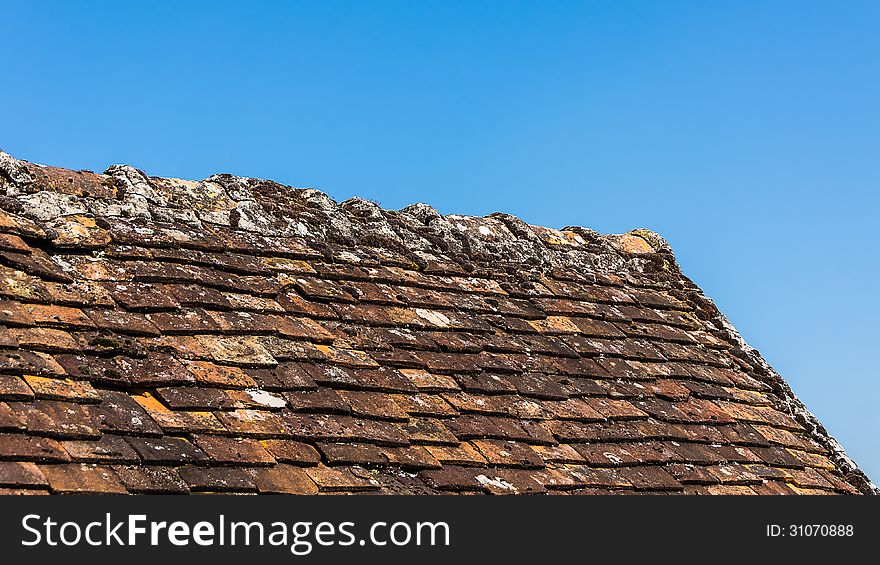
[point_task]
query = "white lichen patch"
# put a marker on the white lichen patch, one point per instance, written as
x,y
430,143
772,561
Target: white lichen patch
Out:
x,y
266,398
496,482
432,317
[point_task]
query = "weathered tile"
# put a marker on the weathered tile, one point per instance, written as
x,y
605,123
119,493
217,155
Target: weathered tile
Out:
x,y
373,405
143,297
319,401
61,316
464,454
155,370
140,479
363,454
217,479
508,454
61,389
428,382
58,419
18,474
123,322
331,479
13,387
242,351
332,427
233,451
82,478
254,423
167,450
210,374
44,339
411,457
290,451
119,413
283,479
108,449
284,377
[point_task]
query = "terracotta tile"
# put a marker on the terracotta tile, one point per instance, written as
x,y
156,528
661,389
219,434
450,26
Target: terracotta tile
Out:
x,y
650,478
363,454
233,451
537,385
21,447
186,398
26,475
200,296
341,479
332,427
510,481
248,351
13,223
18,285
290,451
692,474
508,454
184,322
319,401
464,455
248,303
157,369
79,232
381,379
574,409
452,478
487,383
209,374
558,454
347,357
45,339
62,389
374,405
242,351
37,264
615,409
139,479
13,387
119,413
11,242
58,419
142,297
82,478
121,321
427,382
108,449
429,431
217,479
179,420
411,457
254,423
296,304
167,450
14,314
284,377
283,479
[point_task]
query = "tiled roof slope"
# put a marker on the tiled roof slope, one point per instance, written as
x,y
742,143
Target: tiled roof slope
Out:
x,y
236,335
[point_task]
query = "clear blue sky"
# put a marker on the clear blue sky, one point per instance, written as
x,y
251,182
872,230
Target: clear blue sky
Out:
x,y
747,133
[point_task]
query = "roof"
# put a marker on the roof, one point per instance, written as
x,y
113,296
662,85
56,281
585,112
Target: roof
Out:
x,y
236,335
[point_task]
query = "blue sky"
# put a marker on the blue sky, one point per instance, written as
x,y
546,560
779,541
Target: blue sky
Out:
x,y
747,133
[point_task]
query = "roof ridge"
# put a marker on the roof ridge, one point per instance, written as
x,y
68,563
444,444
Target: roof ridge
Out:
x,y
252,205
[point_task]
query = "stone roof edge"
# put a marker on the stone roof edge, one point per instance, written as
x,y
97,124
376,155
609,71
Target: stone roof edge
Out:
x,y
420,232
763,371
